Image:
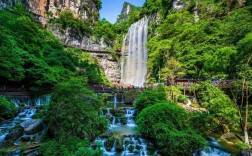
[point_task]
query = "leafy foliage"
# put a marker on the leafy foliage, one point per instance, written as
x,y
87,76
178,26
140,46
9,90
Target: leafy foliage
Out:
x,y
68,146
222,113
25,48
206,48
150,97
166,124
75,114
7,108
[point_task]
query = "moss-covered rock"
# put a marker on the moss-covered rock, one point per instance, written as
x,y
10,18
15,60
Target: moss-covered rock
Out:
x,y
110,142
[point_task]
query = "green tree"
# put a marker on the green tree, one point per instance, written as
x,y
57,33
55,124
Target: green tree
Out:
x,y
172,70
7,108
150,97
222,113
168,126
75,114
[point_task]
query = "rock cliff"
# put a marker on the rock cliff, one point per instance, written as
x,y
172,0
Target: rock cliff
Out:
x,y
126,10
87,12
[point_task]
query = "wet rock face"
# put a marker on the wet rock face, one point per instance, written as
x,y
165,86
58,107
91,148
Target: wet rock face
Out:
x,y
247,152
78,40
110,66
14,134
32,126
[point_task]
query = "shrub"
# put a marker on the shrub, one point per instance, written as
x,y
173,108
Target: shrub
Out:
x,y
168,126
7,108
74,111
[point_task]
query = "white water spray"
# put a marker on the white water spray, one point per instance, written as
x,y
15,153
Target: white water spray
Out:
x,y
134,54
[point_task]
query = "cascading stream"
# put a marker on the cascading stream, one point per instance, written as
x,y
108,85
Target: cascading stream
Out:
x,y
27,108
134,58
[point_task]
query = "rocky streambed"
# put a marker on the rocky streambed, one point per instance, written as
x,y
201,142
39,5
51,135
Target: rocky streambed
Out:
x,y
24,130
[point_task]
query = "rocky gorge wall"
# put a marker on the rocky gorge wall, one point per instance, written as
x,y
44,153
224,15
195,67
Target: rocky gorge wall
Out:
x,y
110,66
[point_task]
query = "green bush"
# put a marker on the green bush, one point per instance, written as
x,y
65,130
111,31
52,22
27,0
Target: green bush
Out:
x,y
74,111
68,146
222,115
3,152
7,108
150,97
168,126
182,99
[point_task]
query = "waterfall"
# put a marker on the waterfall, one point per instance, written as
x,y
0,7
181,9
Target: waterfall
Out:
x,y
115,100
134,54
189,103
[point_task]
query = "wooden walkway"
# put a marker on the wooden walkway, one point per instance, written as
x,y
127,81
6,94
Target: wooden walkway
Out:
x,y
22,91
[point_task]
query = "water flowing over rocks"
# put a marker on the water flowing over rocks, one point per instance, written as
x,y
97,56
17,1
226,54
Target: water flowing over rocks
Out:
x,y
122,137
23,127
32,126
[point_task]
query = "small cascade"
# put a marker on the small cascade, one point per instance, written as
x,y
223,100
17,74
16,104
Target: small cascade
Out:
x,y
102,145
213,149
135,146
129,112
134,54
122,100
124,127
108,111
27,108
130,122
27,101
113,149
115,100
7,125
189,103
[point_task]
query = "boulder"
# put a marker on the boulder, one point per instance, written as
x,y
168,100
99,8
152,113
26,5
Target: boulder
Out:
x,y
32,126
13,135
246,152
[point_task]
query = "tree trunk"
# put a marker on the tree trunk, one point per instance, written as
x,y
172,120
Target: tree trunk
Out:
x,y
246,137
242,3
246,116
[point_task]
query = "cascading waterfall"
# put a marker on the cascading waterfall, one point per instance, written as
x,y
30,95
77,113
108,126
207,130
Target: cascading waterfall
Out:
x,y
115,100
27,108
134,54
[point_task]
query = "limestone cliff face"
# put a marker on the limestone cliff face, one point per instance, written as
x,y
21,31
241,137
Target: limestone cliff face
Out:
x,y
110,67
85,10
126,10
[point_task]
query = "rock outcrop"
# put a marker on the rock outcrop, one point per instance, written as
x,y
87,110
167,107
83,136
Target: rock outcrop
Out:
x,y
85,10
110,66
32,126
126,10
13,135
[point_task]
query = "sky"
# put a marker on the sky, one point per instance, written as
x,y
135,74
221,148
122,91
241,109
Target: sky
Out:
x,y
112,8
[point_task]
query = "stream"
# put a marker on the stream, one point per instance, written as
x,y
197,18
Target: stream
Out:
x,y
27,108
122,137
133,145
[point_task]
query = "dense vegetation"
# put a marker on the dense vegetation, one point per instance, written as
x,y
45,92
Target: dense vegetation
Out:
x,y
73,120
167,124
206,39
36,58
208,48
7,108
